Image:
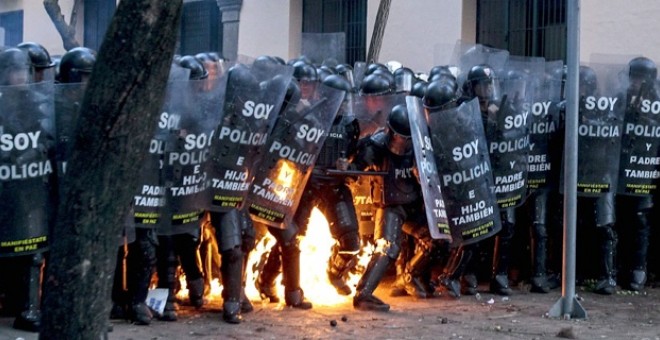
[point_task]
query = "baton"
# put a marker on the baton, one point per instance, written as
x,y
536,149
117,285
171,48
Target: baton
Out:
x,y
354,173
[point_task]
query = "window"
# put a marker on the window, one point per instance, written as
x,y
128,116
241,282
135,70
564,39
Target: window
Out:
x,y
524,27
201,29
12,22
347,16
98,14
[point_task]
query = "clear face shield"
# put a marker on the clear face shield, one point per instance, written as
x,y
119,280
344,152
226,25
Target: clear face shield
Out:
x,y
44,74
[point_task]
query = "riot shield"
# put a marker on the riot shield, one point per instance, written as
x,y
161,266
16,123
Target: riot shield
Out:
x,y
194,111
468,55
364,201
507,132
359,70
434,204
600,125
371,111
464,169
290,153
27,173
544,159
253,99
68,100
639,167
320,46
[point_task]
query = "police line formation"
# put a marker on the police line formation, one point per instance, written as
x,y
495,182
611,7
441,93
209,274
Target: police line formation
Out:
x,y
425,166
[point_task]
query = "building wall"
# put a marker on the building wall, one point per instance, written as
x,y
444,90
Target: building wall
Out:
x,y
619,27
272,27
419,34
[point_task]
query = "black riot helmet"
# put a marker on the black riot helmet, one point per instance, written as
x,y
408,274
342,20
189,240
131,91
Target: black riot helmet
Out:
x,y
76,65
304,71
338,82
38,55
371,68
419,89
323,72
642,68
374,84
399,141
439,96
588,81
15,67
197,70
481,75
346,71
440,70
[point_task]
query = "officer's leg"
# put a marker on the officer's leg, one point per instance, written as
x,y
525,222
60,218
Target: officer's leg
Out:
x,y
607,237
388,240
141,260
271,269
119,286
248,243
415,282
457,265
29,318
290,247
499,283
228,232
166,267
641,230
539,239
344,228
186,246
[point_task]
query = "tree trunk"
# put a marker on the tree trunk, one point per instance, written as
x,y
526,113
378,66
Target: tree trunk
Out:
x,y
118,113
379,30
67,31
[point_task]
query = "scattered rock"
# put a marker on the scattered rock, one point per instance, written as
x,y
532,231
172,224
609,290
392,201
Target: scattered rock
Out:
x,y
333,323
260,329
566,333
443,321
344,318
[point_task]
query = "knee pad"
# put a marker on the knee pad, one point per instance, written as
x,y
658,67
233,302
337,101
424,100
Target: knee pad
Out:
x,y
539,231
349,242
249,234
388,248
605,214
287,236
540,208
227,228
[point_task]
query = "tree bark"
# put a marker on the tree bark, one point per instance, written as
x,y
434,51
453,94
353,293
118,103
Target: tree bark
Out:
x,y
67,31
379,30
123,98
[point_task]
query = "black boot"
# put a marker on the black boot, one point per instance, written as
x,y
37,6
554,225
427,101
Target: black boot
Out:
x,y
338,268
232,265
296,299
196,292
413,276
231,312
638,280
141,314
30,318
271,269
606,285
499,284
364,299
455,269
539,253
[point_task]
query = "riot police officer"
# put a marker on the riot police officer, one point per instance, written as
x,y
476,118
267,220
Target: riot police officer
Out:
x,y
390,151
480,84
636,209
41,63
24,212
598,214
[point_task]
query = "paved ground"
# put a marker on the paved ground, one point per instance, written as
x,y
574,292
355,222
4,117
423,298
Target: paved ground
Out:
x,y
521,316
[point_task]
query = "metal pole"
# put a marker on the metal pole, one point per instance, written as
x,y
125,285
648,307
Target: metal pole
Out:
x,y
568,307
